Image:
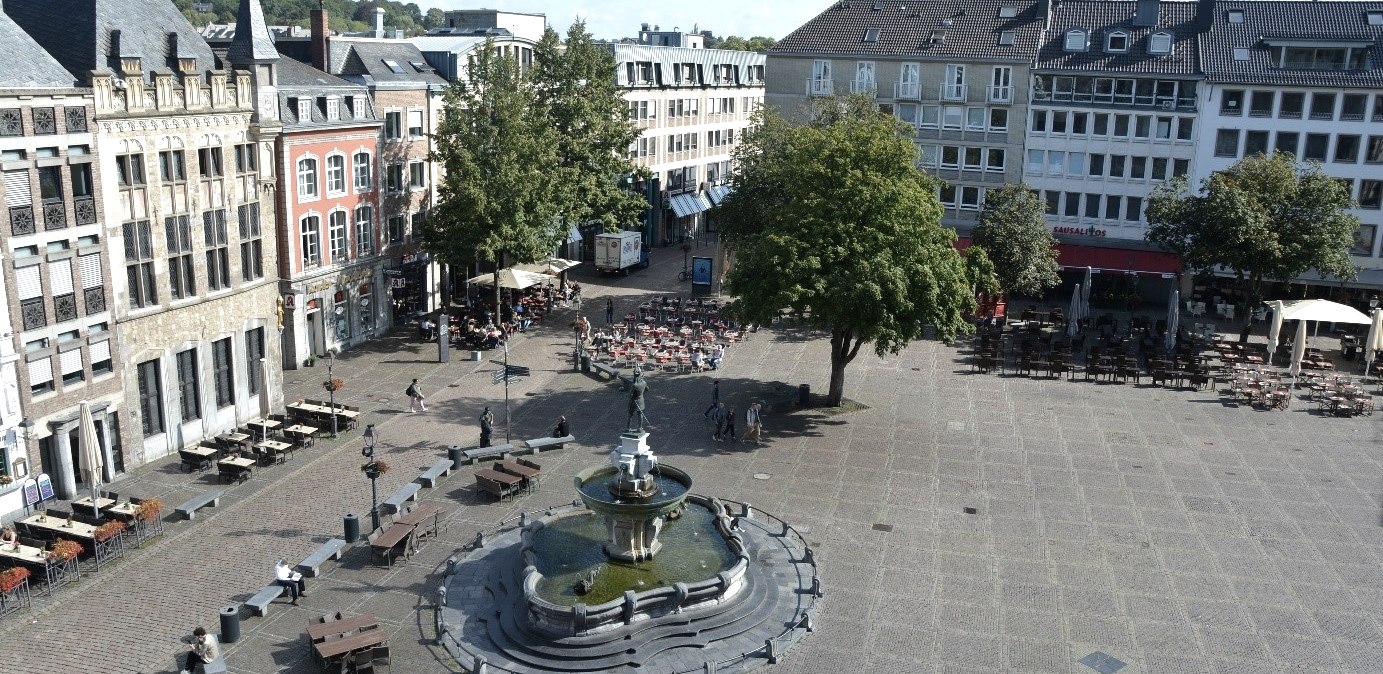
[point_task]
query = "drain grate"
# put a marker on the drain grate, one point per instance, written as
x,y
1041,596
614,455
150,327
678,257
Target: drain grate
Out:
x,y
886,528
970,511
1103,663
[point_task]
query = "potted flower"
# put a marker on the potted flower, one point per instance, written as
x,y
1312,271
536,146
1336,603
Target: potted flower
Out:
x,y
5,479
12,578
109,530
374,469
333,385
149,509
64,550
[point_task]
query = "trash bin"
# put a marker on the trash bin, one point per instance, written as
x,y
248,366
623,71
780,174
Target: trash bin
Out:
x,y
230,624
352,526
804,395
585,363
454,453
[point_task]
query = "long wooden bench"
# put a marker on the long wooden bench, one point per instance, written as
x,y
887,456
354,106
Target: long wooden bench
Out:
x,y
430,476
538,444
402,495
259,603
613,373
189,508
311,565
492,452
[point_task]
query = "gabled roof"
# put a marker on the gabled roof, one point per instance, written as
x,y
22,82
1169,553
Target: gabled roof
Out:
x,y
82,34
253,44
1100,18
368,60
1324,22
27,65
921,29
298,80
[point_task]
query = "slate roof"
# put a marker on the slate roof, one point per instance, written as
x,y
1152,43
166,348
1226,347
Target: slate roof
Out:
x,y
1325,20
363,60
298,79
1102,17
27,65
254,44
971,30
82,39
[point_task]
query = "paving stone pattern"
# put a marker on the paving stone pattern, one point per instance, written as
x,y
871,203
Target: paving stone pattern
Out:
x,y
1160,528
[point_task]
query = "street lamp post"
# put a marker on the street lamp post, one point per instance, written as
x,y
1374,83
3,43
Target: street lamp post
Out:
x,y
372,472
331,391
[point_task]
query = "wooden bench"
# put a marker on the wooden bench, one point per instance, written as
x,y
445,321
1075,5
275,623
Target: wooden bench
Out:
x,y
429,477
331,549
492,452
614,375
259,604
498,483
398,535
528,470
402,495
539,444
189,508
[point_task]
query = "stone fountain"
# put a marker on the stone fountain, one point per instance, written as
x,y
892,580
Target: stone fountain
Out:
x,y
635,495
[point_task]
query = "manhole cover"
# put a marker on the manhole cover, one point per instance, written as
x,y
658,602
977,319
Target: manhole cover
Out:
x,y
761,476
883,527
969,511
1103,662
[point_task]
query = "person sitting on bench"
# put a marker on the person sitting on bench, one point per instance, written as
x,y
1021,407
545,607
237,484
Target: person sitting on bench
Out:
x,y
204,651
287,577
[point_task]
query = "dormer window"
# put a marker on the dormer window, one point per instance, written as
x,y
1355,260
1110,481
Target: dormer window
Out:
x,y
304,109
1236,16
1373,18
1076,40
333,108
871,35
1160,43
1008,12
1116,42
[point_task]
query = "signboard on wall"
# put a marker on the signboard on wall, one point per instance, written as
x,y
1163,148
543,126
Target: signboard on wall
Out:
x,y
701,271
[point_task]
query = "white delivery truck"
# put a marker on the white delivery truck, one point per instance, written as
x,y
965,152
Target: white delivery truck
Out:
x,y
619,252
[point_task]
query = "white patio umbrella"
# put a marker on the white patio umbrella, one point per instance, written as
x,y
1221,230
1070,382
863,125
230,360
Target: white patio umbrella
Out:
x,y
1085,294
1274,328
1322,310
1173,318
551,266
91,448
1073,316
1298,350
1374,341
265,400
516,279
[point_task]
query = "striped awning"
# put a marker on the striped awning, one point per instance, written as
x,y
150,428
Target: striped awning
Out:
x,y
717,193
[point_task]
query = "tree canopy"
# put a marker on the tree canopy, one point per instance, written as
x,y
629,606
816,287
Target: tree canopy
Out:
x,y
344,15
1013,232
834,220
757,43
1265,218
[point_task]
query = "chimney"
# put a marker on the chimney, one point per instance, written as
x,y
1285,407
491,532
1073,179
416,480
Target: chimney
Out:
x,y
379,22
319,38
1145,14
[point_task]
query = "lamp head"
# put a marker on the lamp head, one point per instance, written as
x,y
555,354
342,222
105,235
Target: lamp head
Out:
x,y
1373,301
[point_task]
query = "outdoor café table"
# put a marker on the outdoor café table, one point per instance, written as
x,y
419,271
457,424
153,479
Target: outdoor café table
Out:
x,y
101,551
328,650
318,631
397,533
203,451
503,478
236,438
419,515
529,475
239,464
264,424
55,573
273,448
101,503
302,431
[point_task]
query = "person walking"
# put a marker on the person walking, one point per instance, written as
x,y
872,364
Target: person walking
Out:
x,y
753,421
415,398
487,426
729,431
204,651
609,311
715,398
719,418
285,576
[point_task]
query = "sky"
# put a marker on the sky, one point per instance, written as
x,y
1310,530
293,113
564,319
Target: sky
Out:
x,y
612,19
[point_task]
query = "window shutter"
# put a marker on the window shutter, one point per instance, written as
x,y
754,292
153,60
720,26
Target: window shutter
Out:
x,y
60,277
28,283
71,361
100,351
415,119
90,266
17,192
40,371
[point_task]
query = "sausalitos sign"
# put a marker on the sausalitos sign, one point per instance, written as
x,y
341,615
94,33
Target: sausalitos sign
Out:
x,y
1079,231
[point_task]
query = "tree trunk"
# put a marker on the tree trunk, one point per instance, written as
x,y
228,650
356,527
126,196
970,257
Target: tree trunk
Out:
x,y
843,349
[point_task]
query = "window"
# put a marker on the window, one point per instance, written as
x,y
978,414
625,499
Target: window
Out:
x,y
337,236
333,108
969,199
1092,205
217,253
1352,107
182,282
100,354
1135,209
1036,161
336,174
1113,206
975,119
311,240
129,169
139,267
1374,18
393,176
1241,53
1317,145
171,167
81,180
1227,143
1164,127
1160,43
1236,16
1056,162
1072,209
948,195
1121,126
1185,125
419,217
1075,40
1322,106
1255,142
1053,202
930,117
393,125
1292,104
222,363
362,171
974,158
187,385
1080,123
929,155
50,187
998,119
1180,167
398,228
251,247
950,157
150,398
307,178
364,231
1261,103
415,123
1008,12
952,116
871,35
245,158
995,160
1059,121
1142,127
254,352
1346,149
1138,168
304,106
1287,141
1101,127
1232,102
1116,42
1375,151
1116,165
1159,168
1075,163
393,66
1039,121
1096,168
209,160
1006,38
417,175
1363,240
1371,194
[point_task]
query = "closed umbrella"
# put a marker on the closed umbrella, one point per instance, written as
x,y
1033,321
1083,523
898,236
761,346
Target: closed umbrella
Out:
x,y
1374,341
91,448
265,400
1085,294
1073,320
1298,349
1173,317
1274,328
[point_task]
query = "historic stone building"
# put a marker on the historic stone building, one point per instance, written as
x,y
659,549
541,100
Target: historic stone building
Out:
x,y
188,209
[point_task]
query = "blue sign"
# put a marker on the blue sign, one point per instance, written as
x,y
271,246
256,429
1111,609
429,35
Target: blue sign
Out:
x,y
30,493
45,487
701,271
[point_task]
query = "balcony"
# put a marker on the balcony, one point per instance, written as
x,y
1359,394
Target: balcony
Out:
x,y
94,299
21,220
907,91
1000,94
953,92
820,87
54,215
84,209
863,87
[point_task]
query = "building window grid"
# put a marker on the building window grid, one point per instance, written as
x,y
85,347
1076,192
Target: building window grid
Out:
x,y
363,177
311,241
364,231
139,267
217,250
251,246
336,174
223,371
337,236
188,390
254,352
150,398
182,279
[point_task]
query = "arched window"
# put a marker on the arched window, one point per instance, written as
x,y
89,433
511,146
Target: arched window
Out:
x,y
311,240
1076,40
363,177
336,174
307,178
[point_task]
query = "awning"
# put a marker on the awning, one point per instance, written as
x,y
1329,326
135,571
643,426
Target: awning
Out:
x,y
717,193
1118,260
689,203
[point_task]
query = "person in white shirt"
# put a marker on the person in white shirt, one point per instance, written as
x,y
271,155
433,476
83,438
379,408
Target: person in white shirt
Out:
x,y
287,577
717,355
204,651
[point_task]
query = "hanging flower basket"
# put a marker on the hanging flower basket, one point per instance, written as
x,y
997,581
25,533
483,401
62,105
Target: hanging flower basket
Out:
x,y
333,385
109,530
149,509
12,578
380,467
5,479
65,550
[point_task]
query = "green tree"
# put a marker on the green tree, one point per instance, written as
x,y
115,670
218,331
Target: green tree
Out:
x,y
1013,232
435,18
834,219
737,43
980,270
1265,218
499,153
576,88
